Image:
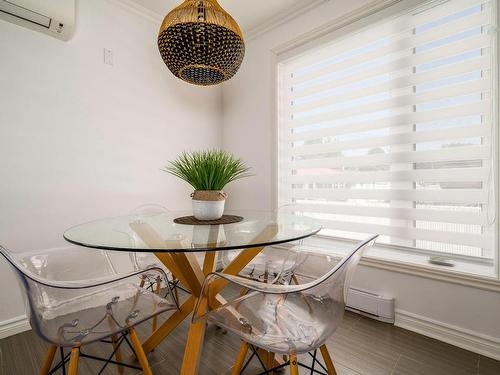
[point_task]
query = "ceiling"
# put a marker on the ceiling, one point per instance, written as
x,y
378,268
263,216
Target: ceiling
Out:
x,y
248,14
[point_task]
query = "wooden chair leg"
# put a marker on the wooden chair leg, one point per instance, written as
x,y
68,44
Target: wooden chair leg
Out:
x,y
73,361
118,353
141,356
143,281
294,366
328,360
158,292
240,359
49,358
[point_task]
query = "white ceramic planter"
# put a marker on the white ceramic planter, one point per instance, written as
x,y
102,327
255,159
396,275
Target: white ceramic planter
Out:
x,y
208,210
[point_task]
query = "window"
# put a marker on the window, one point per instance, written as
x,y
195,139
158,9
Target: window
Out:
x,y
392,130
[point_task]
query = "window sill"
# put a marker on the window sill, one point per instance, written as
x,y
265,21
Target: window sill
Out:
x,y
481,276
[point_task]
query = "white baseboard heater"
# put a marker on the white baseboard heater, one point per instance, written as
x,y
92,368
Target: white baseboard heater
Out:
x,y
371,305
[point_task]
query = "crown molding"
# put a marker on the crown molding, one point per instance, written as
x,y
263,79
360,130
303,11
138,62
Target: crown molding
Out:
x,y
273,22
348,18
139,10
249,34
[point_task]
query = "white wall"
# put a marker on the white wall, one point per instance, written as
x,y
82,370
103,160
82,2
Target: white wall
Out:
x,y
248,131
81,140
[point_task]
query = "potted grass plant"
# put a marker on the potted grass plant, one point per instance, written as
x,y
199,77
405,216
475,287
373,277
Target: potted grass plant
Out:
x,y
208,172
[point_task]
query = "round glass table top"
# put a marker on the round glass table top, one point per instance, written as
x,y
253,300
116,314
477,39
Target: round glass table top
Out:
x,y
157,232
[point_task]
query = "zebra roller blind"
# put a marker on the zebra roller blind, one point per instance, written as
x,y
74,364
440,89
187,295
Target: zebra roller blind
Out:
x,y
392,130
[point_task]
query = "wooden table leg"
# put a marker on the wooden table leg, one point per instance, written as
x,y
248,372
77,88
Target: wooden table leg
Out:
x,y
210,262
194,344
270,361
191,275
169,325
194,275
185,266
193,348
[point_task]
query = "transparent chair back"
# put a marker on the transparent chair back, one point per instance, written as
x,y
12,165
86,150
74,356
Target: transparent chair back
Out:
x,y
285,318
143,260
273,262
74,295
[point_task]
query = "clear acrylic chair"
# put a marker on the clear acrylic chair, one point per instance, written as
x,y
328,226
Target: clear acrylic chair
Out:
x,y
75,297
273,263
283,319
143,260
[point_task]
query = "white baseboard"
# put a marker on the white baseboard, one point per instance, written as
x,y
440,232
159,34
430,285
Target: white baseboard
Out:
x,y
14,326
475,342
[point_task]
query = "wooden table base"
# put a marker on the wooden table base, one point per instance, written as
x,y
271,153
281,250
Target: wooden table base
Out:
x,y
187,269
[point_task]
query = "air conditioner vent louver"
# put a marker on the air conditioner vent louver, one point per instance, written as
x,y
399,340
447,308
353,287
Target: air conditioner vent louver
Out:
x,y
53,17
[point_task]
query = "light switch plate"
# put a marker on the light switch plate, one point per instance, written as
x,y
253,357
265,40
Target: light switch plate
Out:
x,y
108,57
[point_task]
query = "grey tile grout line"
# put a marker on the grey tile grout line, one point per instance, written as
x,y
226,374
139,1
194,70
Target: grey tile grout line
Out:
x,y
396,364
350,330
158,363
399,355
355,323
359,317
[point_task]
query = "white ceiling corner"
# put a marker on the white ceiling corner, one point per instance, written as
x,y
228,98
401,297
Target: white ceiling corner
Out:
x,y
254,17
282,17
135,7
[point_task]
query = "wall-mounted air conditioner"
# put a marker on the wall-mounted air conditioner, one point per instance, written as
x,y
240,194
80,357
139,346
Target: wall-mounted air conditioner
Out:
x,y
52,17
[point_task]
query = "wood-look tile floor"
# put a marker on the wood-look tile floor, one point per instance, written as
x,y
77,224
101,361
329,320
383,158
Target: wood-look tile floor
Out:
x,y
360,346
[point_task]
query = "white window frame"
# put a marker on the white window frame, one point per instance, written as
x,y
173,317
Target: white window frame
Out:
x,y
336,29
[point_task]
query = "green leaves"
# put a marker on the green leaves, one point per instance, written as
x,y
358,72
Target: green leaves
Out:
x,y
208,170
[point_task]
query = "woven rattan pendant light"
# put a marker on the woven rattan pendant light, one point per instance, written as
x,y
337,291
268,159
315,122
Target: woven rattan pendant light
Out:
x,y
201,43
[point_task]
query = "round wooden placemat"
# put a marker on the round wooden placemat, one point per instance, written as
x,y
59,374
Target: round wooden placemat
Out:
x,y
191,220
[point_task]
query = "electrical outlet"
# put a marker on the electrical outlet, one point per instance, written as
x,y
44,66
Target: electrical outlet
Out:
x,y
108,57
